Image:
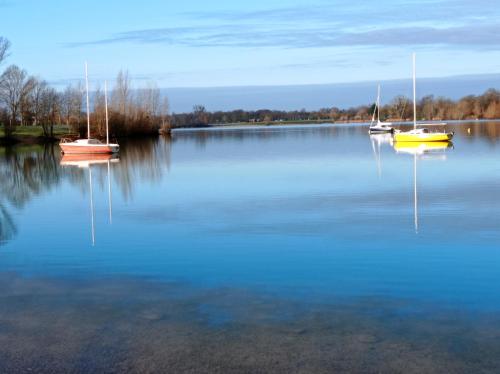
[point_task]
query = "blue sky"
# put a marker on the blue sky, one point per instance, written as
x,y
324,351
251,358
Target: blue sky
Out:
x,y
195,43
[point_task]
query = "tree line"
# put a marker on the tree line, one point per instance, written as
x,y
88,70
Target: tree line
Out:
x,y
485,106
27,100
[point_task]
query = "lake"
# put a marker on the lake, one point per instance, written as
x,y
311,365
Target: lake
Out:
x,y
289,249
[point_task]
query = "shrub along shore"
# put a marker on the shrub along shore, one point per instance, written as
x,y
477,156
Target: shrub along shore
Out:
x,y
35,135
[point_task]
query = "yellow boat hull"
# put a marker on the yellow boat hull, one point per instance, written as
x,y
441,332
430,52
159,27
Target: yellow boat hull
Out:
x,y
425,137
421,147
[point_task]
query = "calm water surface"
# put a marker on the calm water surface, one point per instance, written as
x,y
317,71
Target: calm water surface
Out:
x,y
277,249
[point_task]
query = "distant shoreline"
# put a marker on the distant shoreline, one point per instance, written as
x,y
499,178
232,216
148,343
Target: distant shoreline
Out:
x,y
324,122
32,135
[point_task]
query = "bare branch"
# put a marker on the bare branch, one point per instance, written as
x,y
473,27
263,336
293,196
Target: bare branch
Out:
x,y
4,48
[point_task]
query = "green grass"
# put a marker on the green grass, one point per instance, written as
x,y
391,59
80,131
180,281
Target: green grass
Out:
x,y
36,131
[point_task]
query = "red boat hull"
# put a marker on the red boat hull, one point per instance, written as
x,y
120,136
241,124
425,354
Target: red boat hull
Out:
x,y
88,149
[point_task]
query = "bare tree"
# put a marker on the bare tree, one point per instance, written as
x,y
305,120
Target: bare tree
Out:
x,y
150,99
71,105
465,107
121,93
66,104
99,115
78,100
50,110
200,115
164,113
30,105
4,48
25,113
444,108
13,90
426,106
400,107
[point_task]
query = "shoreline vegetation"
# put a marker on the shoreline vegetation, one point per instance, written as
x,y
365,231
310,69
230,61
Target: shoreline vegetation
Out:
x,y
33,112
35,134
32,135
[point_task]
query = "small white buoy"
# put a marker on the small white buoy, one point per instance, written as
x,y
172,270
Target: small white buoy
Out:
x,y
468,130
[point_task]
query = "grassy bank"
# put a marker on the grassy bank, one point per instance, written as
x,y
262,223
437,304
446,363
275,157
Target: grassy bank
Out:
x,y
34,134
36,131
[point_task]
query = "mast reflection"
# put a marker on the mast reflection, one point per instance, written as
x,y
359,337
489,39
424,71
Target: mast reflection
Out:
x,y
86,162
420,150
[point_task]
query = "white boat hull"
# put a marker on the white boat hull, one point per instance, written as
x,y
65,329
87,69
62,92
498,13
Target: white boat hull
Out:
x,y
75,148
380,130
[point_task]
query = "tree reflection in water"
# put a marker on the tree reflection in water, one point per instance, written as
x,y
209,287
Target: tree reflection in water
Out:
x,y
27,172
8,228
142,160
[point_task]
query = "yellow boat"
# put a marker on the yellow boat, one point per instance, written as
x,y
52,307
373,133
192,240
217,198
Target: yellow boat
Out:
x,y
422,135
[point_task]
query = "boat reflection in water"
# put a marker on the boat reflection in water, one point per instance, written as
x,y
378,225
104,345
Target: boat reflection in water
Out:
x,y
377,141
86,161
421,150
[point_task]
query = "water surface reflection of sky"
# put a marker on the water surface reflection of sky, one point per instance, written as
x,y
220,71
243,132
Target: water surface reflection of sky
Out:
x,y
296,210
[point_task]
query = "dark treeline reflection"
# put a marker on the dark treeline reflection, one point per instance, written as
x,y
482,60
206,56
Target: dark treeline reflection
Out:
x,y
26,172
488,130
8,228
141,160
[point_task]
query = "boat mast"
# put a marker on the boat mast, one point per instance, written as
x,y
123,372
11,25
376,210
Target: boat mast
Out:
x,y
106,105
88,106
414,95
374,112
378,104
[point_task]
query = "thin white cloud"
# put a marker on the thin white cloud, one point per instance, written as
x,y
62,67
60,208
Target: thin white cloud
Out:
x,y
342,23
483,36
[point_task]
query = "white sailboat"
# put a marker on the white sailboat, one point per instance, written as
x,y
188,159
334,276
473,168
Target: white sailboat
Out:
x,y
379,127
89,145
